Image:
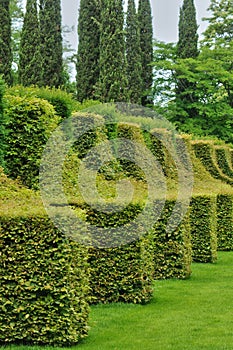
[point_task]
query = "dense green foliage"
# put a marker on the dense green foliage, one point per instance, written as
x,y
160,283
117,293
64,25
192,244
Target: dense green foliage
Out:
x,y
30,60
87,65
225,222
203,223
186,48
146,44
44,284
29,124
112,85
172,251
51,42
5,41
2,125
133,54
122,273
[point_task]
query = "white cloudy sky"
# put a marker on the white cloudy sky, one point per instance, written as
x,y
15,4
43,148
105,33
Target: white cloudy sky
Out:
x,y
165,17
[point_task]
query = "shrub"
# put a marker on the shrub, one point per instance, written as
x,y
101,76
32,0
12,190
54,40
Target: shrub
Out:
x,y
62,101
30,122
123,273
43,283
172,250
203,228
225,221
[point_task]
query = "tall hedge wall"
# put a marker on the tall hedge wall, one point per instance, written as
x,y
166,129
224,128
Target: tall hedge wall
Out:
x,y
43,284
203,228
172,250
125,272
225,221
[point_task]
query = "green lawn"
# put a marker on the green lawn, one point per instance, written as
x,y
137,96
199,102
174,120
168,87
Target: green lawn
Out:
x,y
194,314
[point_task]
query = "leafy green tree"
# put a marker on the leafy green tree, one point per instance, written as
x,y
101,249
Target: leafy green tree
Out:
x,y
146,44
2,126
87,65
220,28
186,48
5,41
133,54
112,84
51,42
30,60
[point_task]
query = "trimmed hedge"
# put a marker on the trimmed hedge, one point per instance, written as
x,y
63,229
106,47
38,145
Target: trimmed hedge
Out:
x,y
123,273
222,160
205,152
30,122
43,284
225,222
172,250
62,101
203,228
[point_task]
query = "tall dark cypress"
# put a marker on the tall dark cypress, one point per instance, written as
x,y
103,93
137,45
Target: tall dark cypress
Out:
x,y
30,63
2,125
133,54
88,49
188,37
146,43
187,48
5,41
51,42
112,85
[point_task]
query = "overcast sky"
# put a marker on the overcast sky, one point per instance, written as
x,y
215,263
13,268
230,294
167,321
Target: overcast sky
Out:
x,y
165,17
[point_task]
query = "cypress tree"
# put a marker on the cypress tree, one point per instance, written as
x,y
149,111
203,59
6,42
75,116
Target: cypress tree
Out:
x,y
186,48
51,42
188,37
2,126
146,43
88,49
133,54
112,85
30,68
5,41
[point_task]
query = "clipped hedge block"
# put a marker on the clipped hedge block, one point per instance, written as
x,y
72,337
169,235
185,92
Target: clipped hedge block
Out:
x,y
121,273
43,284
203,228
172,250
205,152
30,122
225,222
222,160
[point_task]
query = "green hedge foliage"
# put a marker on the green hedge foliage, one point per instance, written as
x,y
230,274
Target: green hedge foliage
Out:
x,y
223,162
204,150
172,250
203,228
225,221
43,284
124,273
62,101
30,122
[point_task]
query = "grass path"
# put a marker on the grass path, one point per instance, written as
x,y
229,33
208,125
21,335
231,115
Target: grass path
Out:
x,y
196,314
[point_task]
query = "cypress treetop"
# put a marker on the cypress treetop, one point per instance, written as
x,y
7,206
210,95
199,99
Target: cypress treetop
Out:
x,y
5,41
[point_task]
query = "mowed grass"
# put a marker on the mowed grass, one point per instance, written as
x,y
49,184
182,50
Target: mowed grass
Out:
x,y
195,314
